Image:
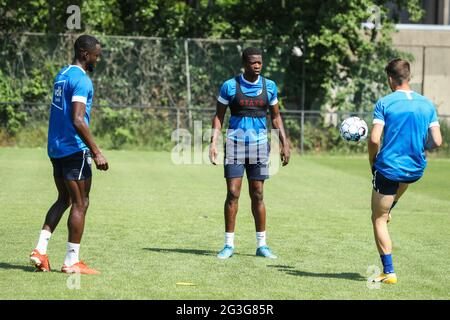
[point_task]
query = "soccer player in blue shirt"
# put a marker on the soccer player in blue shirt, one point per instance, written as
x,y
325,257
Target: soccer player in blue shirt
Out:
x,y
70,149
410,126
248,96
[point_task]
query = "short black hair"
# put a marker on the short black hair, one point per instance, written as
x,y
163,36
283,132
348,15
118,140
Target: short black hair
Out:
x,y
251,51
84,42
399,70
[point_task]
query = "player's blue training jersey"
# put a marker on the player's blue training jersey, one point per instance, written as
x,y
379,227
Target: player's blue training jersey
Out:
x,y
406,116
254,128
71,84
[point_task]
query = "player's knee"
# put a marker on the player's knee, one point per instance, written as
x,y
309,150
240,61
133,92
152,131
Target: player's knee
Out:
x,y
85,203
379,217
233,195
257,195
81,205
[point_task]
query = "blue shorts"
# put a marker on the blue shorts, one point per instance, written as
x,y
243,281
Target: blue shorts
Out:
x,y
385,186
256,165
76,166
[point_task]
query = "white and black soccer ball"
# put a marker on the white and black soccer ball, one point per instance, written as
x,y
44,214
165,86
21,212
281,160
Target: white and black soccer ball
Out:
x,y
354,129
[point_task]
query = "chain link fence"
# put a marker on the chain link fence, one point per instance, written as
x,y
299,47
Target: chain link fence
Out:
x,y
146,87
134,71
153,127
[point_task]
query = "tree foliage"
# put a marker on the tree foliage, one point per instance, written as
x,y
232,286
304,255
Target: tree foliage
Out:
x,y
343,63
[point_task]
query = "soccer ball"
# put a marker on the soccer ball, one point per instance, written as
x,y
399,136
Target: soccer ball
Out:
x,y
354,129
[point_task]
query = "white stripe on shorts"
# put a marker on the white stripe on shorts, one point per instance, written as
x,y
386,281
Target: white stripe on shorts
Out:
x,y
82,165
375,181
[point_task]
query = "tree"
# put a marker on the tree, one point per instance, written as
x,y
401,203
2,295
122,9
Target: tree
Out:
x,y
343,62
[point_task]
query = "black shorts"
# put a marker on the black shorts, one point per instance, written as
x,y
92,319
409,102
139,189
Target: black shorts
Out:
x,y
76,166
255,162
385,186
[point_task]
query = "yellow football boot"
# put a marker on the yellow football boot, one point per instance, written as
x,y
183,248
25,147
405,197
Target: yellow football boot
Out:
x,y
390,278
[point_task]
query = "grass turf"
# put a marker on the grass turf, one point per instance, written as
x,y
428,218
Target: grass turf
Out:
x,y
152,224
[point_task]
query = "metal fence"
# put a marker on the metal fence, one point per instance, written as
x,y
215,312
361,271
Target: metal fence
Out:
x,y
152,127
147,87
136,70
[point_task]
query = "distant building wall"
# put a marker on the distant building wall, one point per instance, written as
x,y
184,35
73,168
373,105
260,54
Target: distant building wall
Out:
x,y
430,46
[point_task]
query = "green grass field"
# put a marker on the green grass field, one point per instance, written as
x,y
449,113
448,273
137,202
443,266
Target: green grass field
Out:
x,y
152,224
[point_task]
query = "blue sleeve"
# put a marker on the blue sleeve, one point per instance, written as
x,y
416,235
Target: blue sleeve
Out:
x,y
272,92
80,89
434,121
227,92
378,113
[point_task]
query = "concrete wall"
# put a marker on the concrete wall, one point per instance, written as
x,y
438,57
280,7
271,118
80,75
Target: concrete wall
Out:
x,y
431,67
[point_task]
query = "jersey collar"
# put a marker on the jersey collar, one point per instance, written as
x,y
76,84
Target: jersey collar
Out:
x,y
73,65
248,82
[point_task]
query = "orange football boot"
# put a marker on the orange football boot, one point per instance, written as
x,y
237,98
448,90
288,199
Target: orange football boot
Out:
x,y
79,267
39,261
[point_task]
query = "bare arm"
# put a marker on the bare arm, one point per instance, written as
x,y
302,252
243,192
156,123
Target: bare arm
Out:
x,y
277,123
375,142
78,112
217,123
434,138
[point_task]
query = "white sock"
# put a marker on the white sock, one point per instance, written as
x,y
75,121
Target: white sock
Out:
x,y
42,244
260,239
229,239
72,254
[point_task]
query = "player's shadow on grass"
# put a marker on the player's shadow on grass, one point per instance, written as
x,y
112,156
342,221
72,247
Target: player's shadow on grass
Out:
x,y
343,275
195,251
4,265
188,251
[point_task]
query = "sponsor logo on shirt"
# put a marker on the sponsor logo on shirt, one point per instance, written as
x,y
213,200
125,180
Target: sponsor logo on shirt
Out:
x,y
251,103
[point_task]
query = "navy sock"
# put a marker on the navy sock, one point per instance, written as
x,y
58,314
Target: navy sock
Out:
x,y
388,267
